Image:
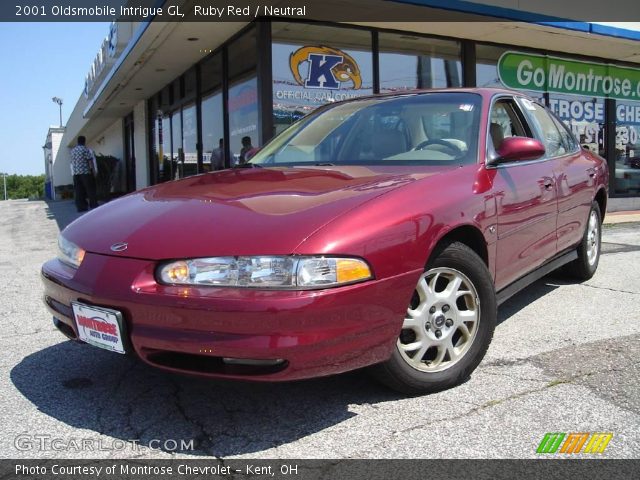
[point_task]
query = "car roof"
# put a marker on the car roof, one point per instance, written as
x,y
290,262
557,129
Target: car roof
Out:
x,y
486,92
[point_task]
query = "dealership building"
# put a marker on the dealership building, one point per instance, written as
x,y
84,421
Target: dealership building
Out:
x,y
163,97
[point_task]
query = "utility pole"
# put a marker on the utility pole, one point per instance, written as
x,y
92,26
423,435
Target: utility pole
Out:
x,y
59,102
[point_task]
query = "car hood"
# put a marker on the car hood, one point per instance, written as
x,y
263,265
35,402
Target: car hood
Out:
x,y
258,211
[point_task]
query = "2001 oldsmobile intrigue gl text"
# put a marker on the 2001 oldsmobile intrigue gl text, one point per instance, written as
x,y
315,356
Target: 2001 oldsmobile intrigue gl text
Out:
x,y
382,232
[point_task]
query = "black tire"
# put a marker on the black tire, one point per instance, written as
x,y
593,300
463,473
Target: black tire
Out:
x,y
399,375
581,268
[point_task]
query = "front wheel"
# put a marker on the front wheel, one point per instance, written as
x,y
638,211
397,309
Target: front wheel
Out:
x,y
448,325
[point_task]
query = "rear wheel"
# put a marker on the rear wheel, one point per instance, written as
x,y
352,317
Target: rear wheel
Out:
x,y
448,325
585,266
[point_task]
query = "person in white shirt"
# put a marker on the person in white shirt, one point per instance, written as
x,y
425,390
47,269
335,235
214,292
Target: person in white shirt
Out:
x,y
217,157
83,171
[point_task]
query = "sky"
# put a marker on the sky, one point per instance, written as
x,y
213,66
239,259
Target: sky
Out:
x,y
39,61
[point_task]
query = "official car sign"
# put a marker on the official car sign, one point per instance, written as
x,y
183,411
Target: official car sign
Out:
x,y
328,68
100,327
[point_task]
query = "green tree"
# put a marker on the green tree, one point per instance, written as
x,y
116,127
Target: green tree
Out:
x,y
24,186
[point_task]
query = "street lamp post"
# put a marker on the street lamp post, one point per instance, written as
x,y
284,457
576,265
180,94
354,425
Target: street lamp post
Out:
x,y
59,102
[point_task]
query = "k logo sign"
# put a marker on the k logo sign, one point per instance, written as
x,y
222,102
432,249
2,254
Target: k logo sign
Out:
x,y
328,68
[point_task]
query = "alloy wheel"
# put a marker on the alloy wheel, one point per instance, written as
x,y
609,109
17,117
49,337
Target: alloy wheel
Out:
x,y
441,321
593,238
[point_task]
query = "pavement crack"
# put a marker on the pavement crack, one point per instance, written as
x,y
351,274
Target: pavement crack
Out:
x,y
514,377
27,334
582,375
123,375
506,362
203,438
477,409
610,289
493,403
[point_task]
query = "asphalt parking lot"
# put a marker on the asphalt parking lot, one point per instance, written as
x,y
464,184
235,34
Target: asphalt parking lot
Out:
x,y
565,358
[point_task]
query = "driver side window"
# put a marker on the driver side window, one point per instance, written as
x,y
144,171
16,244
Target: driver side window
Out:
x,y
504,122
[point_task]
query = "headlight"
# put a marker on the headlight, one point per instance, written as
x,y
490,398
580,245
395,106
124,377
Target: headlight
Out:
x,y
265,272
69,252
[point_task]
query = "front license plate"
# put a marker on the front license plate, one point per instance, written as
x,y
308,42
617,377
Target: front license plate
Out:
x,y
101,327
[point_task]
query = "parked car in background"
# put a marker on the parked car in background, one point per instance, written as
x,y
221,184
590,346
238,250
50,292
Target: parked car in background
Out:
x,y
379,232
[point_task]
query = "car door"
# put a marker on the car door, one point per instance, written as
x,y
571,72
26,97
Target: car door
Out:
x,y
575,175
526,198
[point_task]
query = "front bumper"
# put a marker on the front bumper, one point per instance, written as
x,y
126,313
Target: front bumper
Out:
x,y
298,334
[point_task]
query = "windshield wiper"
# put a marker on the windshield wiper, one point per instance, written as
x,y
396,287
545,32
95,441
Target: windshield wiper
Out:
x,y
324,164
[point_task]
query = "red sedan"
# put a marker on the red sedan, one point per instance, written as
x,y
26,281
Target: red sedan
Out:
x,y
382,231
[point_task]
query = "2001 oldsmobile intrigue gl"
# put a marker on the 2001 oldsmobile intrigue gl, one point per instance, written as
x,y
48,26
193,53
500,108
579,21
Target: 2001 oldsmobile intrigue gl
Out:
x,y
382,231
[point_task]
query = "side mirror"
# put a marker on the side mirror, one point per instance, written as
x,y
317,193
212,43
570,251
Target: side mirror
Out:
x,y
519,149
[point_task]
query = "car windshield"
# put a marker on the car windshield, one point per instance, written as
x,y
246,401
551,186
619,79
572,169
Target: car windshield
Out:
x,y
418,129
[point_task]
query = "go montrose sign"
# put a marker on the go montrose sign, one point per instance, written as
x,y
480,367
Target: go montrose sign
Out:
x,y
544,73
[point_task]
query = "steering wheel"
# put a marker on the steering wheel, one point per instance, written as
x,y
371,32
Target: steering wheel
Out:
x,y
436,141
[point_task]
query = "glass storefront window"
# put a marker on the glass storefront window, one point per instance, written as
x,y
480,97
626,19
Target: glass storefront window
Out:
x,y
487,57
189,160
212,114
165,166
211,73
189,84
243,118
314,65
487,65
154,130
627,161
166,98
408,62
212,132
244,122
177,153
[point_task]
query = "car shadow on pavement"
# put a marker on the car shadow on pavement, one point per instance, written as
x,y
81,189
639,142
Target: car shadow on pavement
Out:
x,y
525,297
121,397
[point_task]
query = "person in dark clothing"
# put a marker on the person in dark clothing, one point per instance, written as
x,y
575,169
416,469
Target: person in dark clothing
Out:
x,y
247,150
84,182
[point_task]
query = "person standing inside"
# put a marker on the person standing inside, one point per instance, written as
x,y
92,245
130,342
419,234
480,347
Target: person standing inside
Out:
x,y
247,150
84,182
217,157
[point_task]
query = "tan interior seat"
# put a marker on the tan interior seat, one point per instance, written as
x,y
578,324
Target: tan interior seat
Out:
x,y
497,134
